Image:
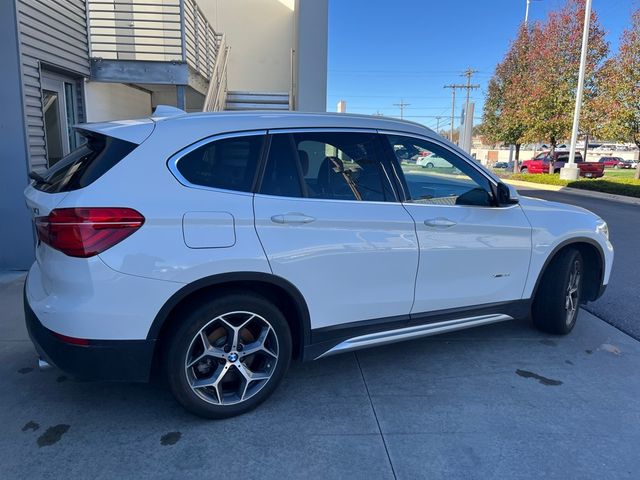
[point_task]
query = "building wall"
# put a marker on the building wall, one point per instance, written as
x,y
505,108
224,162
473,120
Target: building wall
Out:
x,y
261,36
53,34
16,237
311,34
110,101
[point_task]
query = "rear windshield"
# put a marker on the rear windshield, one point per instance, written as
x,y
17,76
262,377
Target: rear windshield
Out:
x,y
85,164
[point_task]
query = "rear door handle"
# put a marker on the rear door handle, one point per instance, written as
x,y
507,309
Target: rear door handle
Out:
x,y
439,223
292,218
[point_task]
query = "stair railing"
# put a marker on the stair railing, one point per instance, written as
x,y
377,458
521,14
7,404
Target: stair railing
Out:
x,y
216,97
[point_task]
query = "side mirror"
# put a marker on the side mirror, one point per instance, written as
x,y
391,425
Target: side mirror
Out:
x,y
506,195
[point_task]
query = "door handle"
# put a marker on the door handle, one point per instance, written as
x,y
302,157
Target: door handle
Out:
x,y
439,223
292,218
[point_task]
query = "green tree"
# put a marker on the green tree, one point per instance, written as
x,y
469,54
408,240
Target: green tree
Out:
x,y
620,98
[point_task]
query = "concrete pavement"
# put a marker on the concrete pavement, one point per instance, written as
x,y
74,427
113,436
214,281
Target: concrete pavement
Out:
x,y
502,401
619,305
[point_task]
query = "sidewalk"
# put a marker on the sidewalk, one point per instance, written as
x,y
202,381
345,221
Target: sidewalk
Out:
x,y
502,401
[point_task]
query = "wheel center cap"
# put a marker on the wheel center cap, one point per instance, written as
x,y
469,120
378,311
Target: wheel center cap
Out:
x,y
233,357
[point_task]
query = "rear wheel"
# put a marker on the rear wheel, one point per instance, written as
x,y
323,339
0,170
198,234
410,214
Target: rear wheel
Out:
x,y
557,301
429,165
228,355
524,170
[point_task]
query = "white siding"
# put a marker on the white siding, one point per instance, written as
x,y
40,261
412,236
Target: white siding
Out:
x,y
54,33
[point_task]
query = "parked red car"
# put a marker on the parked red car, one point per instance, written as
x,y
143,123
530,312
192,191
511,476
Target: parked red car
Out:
x,y
613,162
540,164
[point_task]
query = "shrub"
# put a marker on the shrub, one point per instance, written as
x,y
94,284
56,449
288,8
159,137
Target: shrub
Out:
x,y
616,185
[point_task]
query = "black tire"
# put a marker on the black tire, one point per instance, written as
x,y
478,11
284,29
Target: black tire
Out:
x,y
429,165
184,340
524,170
551,310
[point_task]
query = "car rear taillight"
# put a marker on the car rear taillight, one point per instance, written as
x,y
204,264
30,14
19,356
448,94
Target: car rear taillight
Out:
x,y
85,232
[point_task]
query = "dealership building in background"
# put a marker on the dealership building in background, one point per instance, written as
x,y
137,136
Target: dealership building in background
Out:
x,y
74,61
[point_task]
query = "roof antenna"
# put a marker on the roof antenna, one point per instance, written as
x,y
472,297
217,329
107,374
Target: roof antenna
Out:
x,y
164,111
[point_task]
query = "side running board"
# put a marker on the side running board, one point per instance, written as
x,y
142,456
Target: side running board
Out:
x,y
407,333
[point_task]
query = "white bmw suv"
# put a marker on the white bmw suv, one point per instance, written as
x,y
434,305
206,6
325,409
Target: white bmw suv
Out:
x,y
214,248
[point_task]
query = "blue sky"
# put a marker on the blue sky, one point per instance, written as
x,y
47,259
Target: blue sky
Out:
x,y
382,51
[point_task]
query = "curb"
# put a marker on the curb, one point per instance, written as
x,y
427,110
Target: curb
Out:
x,y
575,191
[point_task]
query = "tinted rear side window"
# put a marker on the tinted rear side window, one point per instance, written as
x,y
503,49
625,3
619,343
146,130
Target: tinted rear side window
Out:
x,y
230,163
85,164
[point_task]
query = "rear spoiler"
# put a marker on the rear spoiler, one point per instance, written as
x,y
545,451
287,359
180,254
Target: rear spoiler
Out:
x,y
134,131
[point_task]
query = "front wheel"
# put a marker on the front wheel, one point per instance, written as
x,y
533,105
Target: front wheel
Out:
x,y
228,355
524,170
557,301
428,165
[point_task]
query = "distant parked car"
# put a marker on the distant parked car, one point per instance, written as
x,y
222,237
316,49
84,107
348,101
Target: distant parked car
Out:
x,y
432,161
501,165
628,164
540,164
612,162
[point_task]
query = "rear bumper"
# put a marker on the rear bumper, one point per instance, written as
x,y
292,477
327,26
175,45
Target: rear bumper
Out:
x,y
107,360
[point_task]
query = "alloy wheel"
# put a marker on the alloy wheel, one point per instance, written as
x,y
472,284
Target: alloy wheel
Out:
x,y
572,297
231,358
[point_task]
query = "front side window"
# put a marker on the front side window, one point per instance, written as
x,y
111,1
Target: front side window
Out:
x,y
435,175
229,163
328,165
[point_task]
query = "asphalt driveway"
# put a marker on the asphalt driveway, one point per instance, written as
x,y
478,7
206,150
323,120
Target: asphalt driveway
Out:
x,y
501,401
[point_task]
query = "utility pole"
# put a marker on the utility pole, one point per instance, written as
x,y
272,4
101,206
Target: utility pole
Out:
x,y
468,87
401,105
438,123
469,73
453,108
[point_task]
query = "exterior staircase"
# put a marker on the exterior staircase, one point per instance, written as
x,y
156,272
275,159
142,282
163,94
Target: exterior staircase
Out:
x,y
242,101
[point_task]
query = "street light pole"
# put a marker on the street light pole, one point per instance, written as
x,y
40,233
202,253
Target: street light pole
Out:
x,y
570,171
526,12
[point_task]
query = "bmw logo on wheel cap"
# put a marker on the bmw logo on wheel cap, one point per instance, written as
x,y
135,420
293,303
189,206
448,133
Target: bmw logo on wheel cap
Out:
x,y
233,357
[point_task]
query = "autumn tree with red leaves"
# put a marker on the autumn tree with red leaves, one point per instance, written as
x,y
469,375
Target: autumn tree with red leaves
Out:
x,y
555,62
503,120
620,98
543,92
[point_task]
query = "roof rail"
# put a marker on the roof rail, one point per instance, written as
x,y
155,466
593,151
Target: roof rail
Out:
x,y
165,111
